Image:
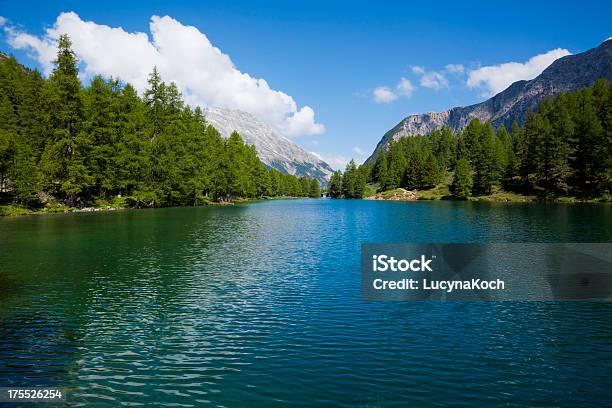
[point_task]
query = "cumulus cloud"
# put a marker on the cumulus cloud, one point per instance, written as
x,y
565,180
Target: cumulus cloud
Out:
x,y
336,161
384,94
339,161
433,80
495,78
418,70
2,21
183,54
455,68
404,87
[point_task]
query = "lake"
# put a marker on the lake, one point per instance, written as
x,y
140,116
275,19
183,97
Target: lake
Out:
x,y
259,305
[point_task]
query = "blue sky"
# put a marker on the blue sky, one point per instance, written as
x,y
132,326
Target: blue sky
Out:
x,y
333,57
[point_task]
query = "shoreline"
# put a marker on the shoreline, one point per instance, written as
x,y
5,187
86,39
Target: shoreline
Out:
x,y
18,210
500,196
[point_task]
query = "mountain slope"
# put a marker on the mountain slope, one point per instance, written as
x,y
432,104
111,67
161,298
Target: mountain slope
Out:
x,y
274,150
565,74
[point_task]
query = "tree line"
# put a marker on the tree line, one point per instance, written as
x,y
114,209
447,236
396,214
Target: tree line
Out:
x,y
563,149
83,143
351,184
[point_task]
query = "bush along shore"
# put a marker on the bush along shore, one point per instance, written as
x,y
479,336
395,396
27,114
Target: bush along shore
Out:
x,y
69,147
563,153
56,207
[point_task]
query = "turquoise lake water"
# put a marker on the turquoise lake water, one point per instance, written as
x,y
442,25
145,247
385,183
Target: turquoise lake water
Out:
x,y
259,305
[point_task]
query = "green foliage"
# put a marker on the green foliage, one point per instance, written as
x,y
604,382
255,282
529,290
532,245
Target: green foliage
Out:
x,y
14,210
314,189
351,184
105,144
353,181
335,185
567,146
564,149
415,162
462,180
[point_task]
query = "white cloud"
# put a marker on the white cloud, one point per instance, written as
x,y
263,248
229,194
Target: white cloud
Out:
x,y
384,94
418,70
495,78
404,87
2,21
336,161
455,68
183,54
434,80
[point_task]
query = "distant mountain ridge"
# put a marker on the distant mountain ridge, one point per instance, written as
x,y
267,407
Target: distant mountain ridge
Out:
x,y
565,74
273,149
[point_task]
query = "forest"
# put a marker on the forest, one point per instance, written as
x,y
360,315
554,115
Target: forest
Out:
x,y
565,149
82,145
104,143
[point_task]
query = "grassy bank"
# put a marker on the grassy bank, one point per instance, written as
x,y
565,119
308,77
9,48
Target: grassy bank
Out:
x,y
442,192
14,210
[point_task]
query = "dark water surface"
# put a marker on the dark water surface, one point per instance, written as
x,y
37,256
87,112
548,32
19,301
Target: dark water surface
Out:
x,y
259,305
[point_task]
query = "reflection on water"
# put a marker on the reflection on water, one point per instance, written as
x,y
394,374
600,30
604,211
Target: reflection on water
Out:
x,y
260,305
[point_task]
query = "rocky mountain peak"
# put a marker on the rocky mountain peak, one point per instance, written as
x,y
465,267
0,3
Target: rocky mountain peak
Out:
x,y
511,105
274,150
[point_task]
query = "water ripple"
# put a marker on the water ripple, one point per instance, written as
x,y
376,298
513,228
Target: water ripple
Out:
x,y
260,305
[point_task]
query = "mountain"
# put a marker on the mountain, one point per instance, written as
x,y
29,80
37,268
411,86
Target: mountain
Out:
x,y
565,74
274,150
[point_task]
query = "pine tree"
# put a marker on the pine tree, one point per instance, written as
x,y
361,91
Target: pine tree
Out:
x,y
353,181
8,137
99,125
360,181
155,98
397,166
443,146
133,148
264,181
431,171
62,160
349,180
82,144
335,185
381,169
558,145
315,191
511,173
505,149
485,158
462,181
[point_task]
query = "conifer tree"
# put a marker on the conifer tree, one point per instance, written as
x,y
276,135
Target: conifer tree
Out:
x,y
380,170
315,191
63,158
335,185
462,180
